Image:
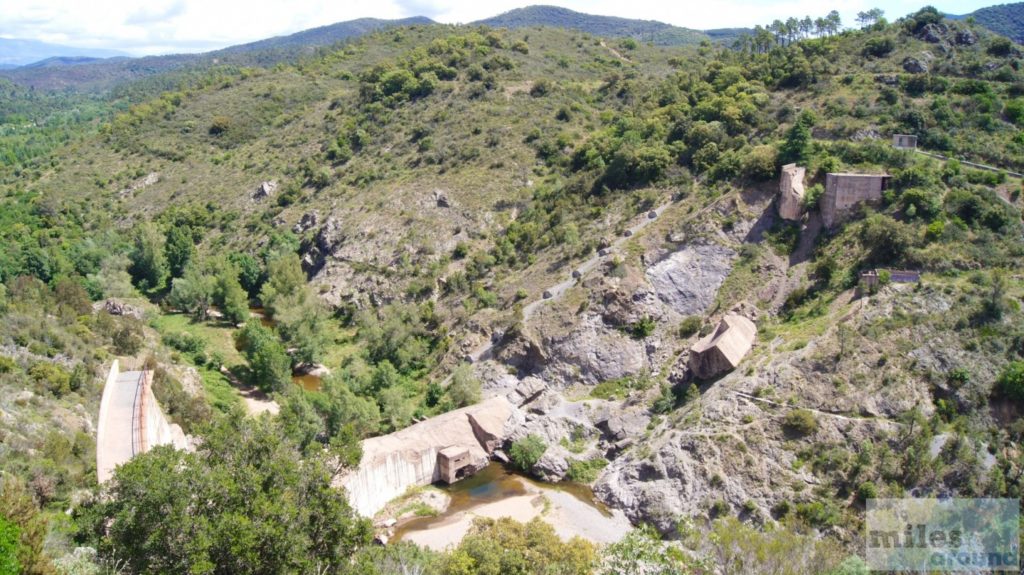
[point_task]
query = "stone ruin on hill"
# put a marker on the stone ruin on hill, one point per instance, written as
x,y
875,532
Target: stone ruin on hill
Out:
x,y
791,192
723,349
844,192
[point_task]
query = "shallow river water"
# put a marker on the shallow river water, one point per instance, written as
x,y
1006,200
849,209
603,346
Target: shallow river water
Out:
x,y
495,492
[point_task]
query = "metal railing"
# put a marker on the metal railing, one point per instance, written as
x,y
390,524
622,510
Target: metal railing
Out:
x,y
139,416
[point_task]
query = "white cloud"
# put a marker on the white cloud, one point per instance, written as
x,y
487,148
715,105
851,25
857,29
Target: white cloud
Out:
x,y
161,26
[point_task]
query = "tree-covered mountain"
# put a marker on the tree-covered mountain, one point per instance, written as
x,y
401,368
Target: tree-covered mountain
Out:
x,y
607,26
105,74
584,211
1005,19
19,52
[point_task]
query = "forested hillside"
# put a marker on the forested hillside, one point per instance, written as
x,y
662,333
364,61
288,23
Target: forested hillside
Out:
x,y
434,214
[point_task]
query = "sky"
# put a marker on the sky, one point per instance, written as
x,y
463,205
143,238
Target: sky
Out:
x,y
144,27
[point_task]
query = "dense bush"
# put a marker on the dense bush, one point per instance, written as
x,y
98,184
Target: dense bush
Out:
x,y
526,452
800,422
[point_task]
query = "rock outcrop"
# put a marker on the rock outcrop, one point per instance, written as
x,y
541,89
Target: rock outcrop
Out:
x,y
791,192
723,349
914,66
688,280
264,190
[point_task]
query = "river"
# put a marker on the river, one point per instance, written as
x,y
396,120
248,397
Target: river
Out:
x,y
496,492
307,381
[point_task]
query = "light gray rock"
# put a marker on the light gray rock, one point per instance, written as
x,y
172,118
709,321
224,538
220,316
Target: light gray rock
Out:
x,y
553,465
593,353
688,280
265,190
308,221
914,66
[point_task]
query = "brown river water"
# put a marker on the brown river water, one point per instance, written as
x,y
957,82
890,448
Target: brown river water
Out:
x,y
496,492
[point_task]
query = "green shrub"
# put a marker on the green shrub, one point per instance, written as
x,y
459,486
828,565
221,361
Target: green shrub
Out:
x,y
1011,381
585,471
51,377
9,536
526,452
867,490
800,422
690,326
643,327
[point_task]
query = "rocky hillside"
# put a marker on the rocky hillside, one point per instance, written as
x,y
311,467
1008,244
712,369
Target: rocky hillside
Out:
x,y
437,214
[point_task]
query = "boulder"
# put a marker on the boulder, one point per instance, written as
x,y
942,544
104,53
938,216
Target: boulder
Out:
x,y
553,465
117,307
966,38
914,66
441,198
933,33
265,190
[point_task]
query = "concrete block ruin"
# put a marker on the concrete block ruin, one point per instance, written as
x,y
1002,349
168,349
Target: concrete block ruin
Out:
x,y
904,141
446,448
131,421
791,192
844,192
871,280
723,349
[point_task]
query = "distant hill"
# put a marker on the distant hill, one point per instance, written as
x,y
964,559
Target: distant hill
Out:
x,y
65,61
642,30
101,74
325,35
1005,19
17,52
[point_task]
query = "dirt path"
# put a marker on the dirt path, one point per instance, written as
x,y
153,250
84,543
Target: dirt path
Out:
x,y
615,52
256,402
823,412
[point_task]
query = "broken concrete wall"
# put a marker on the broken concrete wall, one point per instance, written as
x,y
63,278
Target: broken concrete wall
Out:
x,y
843,192
791,192
393,463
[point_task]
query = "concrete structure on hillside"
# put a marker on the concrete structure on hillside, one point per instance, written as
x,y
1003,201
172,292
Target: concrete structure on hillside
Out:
x,y
791,192
723,349
446,448
130,421
904,141
843,192
871,280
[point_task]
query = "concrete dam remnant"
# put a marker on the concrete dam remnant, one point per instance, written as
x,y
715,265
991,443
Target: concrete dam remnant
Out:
x,y
791,192
449,447
131,421
843,192
723,349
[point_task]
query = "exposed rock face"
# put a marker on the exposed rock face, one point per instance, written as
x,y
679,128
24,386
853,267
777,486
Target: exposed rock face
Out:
x,y
934,33
327,241
265,190
791,192
966,38
688,280
308,221
723,349
140,184
118,307
593,353
914,66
